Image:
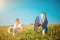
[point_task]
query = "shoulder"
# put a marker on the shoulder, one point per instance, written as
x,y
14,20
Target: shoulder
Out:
x,y
46,19
19,25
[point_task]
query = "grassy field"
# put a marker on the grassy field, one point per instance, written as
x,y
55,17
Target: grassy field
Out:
x,y
29,34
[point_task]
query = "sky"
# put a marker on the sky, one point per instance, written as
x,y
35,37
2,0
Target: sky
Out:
x,y
28,10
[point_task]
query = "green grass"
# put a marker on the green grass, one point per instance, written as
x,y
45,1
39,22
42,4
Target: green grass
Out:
x,y
29,34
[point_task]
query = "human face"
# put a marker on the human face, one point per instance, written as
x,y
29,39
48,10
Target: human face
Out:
x,y
43,16
17,22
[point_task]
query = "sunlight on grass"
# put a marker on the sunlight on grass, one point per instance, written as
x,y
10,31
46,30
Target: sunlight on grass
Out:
x,y
29,34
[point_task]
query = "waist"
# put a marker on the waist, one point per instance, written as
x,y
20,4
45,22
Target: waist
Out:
x,y
44,27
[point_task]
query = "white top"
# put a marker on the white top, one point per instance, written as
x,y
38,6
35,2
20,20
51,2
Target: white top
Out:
x,y
18,26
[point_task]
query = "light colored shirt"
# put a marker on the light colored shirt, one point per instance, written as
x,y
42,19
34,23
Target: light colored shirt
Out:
x,y
18,26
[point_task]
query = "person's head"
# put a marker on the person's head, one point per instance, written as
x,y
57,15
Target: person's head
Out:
x,y
17,20
43,15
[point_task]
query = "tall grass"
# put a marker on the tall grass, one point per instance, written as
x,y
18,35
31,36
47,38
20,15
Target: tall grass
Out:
x,y
29,34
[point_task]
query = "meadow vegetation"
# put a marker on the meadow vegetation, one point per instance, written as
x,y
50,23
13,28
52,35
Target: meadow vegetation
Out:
x,y
28,33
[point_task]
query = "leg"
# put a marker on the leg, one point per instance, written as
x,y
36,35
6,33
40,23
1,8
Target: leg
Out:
x,y
43,33
15,31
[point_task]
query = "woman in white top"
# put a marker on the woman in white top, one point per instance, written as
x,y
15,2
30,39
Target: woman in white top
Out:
x,y
17,27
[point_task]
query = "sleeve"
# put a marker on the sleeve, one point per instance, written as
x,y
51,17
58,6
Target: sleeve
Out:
x,y
45,22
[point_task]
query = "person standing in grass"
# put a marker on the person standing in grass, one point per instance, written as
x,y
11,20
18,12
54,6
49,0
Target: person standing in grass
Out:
x,y
44,23
17,27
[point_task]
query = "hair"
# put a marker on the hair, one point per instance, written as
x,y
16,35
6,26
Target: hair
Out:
x,y
17,19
